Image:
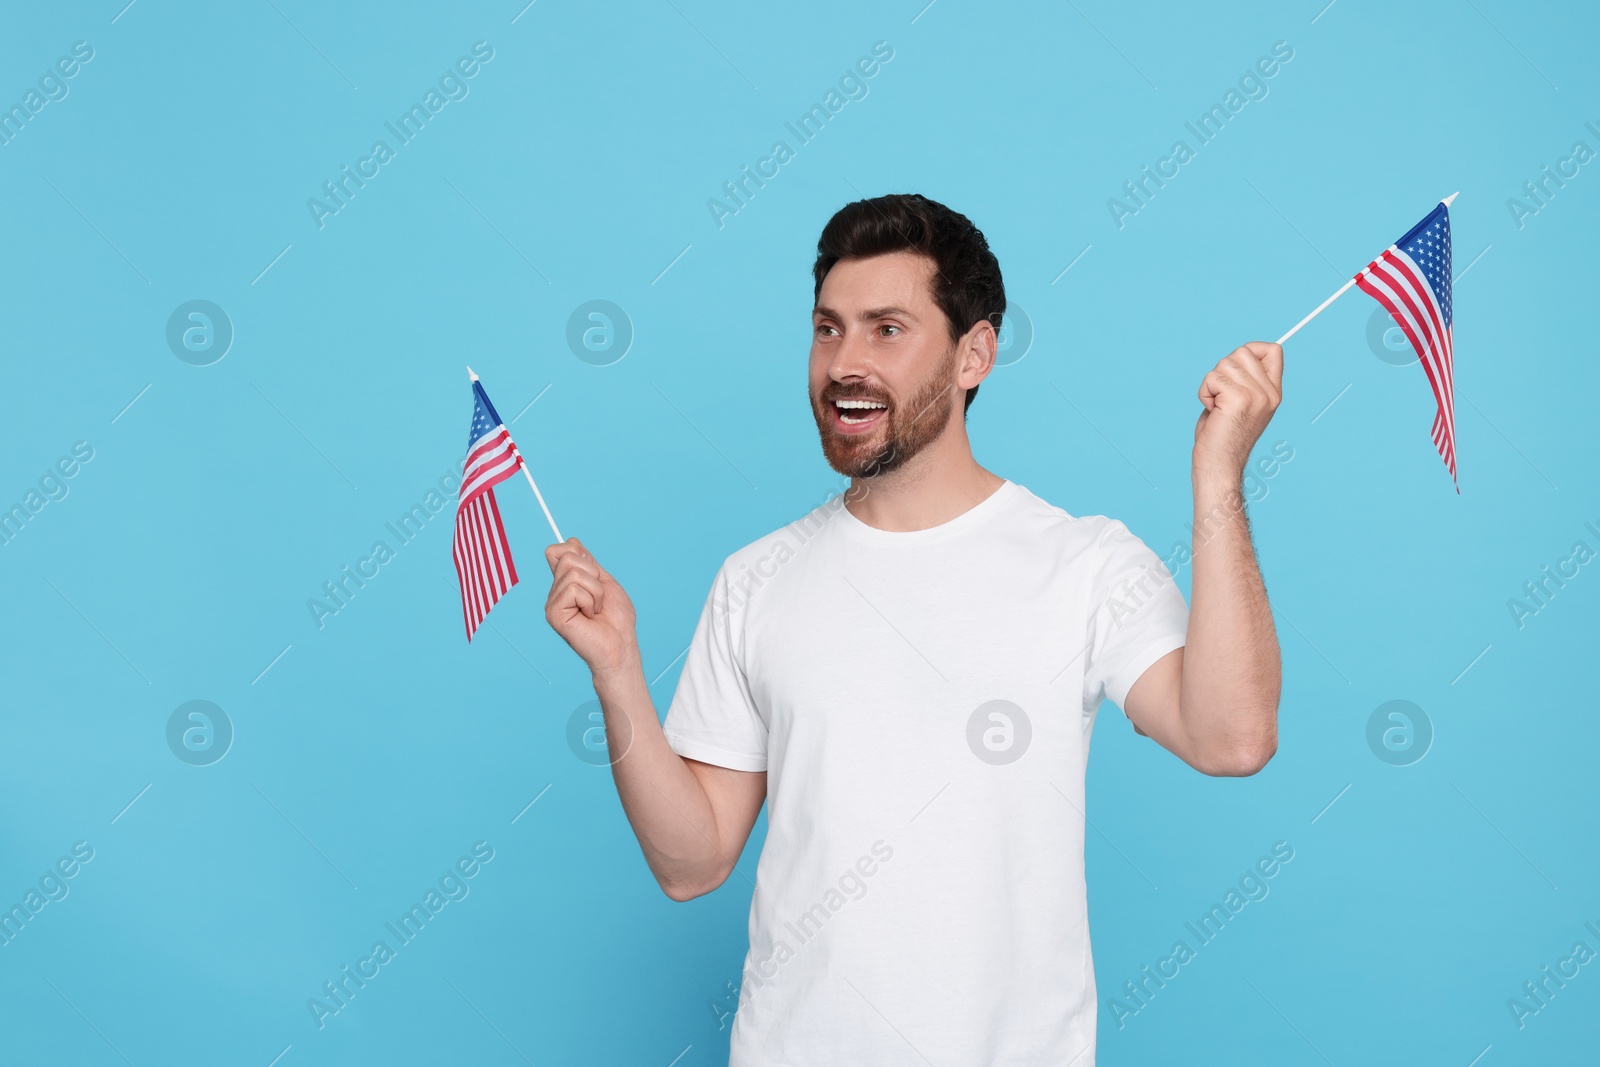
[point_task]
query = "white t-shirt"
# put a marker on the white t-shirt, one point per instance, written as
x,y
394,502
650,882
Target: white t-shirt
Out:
x,y
922,703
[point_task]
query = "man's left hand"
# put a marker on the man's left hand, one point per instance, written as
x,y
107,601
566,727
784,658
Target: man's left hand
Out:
x,y
1240,394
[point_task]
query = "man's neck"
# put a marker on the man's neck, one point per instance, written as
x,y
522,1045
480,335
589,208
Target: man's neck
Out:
x,y
940,483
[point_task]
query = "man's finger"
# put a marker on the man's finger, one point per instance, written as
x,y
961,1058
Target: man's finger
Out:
x,y
583,580
579,591
1211,387
554,554
577,564
585,559
1270,355
1250,368
570,546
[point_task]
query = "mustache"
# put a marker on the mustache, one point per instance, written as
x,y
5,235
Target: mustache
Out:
x,y
836,391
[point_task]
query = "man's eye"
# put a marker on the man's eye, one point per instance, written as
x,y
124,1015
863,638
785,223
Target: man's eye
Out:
x,y
887,326
823,329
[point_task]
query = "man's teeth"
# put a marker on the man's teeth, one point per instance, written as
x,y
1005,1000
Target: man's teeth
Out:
x,y
866,407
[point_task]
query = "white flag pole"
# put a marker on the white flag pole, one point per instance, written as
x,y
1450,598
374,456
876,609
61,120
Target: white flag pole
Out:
x,y
1342,289
537,495
1296,328
542,507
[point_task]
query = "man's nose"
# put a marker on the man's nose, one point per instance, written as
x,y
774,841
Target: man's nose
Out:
x,y
852,357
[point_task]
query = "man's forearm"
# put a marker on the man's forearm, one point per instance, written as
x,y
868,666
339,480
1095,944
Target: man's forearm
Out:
x,y
1232,674
665,803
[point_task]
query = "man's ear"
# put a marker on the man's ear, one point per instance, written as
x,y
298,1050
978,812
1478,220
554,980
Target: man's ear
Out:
x,y
978,348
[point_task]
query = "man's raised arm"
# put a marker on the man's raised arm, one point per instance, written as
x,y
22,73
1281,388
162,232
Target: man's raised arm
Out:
x,y
691,818
1214,702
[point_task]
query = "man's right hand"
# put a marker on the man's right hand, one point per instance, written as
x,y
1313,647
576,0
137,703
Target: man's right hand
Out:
x,y
589,609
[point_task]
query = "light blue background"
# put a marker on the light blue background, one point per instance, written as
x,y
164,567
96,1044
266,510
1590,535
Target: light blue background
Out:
x,y
378,748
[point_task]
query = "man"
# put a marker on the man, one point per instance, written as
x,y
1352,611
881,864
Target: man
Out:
x,y
909,676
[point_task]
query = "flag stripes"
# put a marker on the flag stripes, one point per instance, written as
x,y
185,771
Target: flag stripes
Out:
x,y
483,558
490,463
482,553
1412,281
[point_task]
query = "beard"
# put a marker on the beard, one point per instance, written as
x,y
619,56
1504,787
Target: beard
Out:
x,y
898,437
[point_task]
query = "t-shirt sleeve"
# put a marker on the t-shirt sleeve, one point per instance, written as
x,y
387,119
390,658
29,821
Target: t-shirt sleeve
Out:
x,y
1137,614
713,717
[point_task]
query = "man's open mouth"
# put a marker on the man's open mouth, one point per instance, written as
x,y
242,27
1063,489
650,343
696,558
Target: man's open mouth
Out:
x,y
858,414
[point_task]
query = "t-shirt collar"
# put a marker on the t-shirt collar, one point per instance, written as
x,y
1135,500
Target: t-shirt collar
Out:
x,y
967,520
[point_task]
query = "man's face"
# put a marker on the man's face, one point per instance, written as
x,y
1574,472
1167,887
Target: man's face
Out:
x,y
883,367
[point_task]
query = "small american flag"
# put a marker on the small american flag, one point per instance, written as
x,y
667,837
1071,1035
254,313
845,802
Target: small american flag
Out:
x,y
1411,279
483,556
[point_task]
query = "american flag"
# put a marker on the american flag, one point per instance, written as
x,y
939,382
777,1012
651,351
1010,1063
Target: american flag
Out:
x,y
483,556
1411,279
